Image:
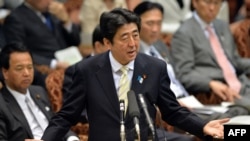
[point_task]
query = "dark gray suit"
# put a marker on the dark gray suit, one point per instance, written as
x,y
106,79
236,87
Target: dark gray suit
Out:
x,y
195,62
13,124
233,110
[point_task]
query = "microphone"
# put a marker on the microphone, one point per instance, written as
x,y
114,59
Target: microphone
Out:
x,y
152,101
133,110
122,128
148,118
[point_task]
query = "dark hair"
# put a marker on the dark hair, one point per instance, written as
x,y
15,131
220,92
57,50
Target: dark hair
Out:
x,y
146,6
97,35
111,21
8,50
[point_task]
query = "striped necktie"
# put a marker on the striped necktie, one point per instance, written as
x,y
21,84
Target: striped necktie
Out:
x,y
124,85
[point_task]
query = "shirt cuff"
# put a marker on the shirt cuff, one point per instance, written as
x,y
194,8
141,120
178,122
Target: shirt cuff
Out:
x,y
73,138
53,63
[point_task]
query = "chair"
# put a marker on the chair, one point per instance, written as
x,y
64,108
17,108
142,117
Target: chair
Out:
x,y
241,33
54,82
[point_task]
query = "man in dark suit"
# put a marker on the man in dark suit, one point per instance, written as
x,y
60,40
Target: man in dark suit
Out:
x,y
96,86
44,27
197,64
26,109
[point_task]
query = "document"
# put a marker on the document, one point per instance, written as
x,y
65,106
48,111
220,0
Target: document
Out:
x,y
242,120
198,107
71,55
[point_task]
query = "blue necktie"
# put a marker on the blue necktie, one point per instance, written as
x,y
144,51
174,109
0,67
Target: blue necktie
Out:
x,y
48,21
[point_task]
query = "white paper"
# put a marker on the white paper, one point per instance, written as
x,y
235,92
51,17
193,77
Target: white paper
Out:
x,y
70,55
243,119
197,106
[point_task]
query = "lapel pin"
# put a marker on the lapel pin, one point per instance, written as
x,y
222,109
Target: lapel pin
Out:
x,y
38,96
47,108
141,78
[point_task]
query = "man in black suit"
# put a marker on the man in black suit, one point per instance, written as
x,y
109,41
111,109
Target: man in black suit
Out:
x,y
95,87
19,120
44,27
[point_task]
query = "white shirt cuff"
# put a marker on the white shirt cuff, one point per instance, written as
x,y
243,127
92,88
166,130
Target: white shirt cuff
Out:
x,y
53,63
73,138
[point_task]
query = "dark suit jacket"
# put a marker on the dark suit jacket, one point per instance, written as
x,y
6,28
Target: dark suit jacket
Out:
x,y
93,87
195,62
23,25
13,124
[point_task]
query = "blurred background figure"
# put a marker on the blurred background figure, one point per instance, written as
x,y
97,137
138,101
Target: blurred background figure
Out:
x,y
241,31
44,27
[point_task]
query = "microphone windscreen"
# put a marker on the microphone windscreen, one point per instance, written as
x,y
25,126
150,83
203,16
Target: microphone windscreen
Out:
x,y
133,109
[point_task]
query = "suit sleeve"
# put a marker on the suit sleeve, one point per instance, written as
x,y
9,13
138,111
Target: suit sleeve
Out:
x,y
172,112
3,127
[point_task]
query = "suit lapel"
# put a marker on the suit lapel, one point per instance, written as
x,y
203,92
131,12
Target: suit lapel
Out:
x,y
140,74
220,36
201,38
36,19
16,111
37,98
105,77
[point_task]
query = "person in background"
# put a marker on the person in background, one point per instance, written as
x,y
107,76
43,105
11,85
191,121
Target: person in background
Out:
x,y
44,27
27,111
96,87
205,56
151,17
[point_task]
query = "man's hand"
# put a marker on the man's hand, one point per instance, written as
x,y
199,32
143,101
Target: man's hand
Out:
x,y
59,10
215,128
223,91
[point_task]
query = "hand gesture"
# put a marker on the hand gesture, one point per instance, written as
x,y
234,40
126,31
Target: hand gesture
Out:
x,y
215,128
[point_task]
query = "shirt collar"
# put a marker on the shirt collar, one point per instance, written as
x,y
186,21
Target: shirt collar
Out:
x,y
116,66
17,95
202,23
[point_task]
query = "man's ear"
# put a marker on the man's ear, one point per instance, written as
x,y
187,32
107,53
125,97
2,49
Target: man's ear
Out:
x,y
106,42
5,72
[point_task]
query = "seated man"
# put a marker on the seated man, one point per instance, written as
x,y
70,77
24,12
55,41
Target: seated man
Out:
x,y
150,44
27,111
44,27
205,56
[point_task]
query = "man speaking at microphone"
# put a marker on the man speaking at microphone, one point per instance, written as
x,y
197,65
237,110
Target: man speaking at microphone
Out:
x,y
101,81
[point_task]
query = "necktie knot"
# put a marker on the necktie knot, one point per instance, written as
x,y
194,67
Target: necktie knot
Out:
x,y
124,70
152,52
210,30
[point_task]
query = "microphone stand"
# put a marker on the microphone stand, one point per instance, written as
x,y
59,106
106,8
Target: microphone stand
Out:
x,y
148,118
122,128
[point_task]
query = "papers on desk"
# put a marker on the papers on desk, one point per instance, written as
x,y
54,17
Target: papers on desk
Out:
x,y
70,55
198,107
239,120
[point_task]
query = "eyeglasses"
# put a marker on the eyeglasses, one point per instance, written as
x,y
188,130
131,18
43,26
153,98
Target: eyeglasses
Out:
x,y
215,2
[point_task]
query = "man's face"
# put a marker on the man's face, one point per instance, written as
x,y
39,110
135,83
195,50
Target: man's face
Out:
x,y
20,74
151,26
207,9
40,5
125,44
